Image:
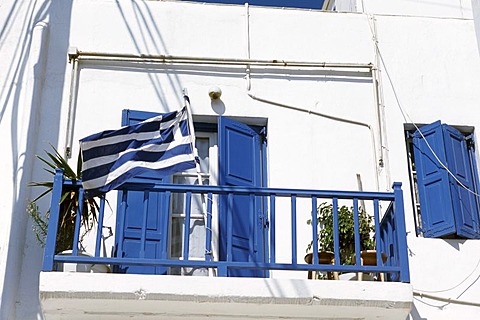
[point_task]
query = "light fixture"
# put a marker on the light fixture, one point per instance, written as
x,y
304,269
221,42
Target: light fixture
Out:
x,y
214,92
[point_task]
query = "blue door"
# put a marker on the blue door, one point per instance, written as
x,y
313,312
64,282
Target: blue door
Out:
x,y
240,164
142,215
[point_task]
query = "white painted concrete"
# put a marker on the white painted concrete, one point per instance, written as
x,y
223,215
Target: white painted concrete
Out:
x,y
438,8
429,67
86,296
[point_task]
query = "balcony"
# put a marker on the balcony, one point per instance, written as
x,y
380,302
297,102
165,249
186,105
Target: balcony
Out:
x,y
271,287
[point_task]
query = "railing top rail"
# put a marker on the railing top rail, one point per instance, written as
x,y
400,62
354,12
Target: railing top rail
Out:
x,y
259,191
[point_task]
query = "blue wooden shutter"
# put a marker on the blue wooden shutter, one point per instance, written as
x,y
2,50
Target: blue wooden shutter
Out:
x,y
465,206
157,217
433,182
446,206
240,165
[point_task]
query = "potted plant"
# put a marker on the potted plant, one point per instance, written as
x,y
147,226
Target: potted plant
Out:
x,y
346,231
68,206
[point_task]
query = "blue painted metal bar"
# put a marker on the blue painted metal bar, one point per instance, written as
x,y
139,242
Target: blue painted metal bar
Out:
x,y
376,219
143,236
222,270
78,223
186,225
390,232
336,235
98,241
51,240
208,227
299,193
356,227
401,232
293,210
272,229
252,241
229,226
314,230
222,264
165,223
121,223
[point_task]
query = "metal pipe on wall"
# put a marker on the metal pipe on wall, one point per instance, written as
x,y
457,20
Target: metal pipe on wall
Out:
x,y
384,155
76,57
72,102
165,59
376,162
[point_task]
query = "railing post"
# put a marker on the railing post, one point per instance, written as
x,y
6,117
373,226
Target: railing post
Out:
x,y
293,209
99,237
401,232
78,222
273,257
208,226
51,241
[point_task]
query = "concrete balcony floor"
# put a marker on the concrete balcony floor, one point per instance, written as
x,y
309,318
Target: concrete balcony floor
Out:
x,y
72,295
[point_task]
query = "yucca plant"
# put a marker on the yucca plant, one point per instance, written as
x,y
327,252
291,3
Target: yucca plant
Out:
x,y
68,204
346,231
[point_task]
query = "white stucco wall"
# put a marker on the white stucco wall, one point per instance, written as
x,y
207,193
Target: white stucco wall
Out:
x,y
419,8
476,17
430,70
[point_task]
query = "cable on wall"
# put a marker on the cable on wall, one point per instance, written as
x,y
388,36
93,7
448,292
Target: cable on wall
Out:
x,y
407,118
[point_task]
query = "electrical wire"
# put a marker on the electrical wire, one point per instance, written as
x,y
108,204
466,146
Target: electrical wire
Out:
x,y
406,116
457,285
448,300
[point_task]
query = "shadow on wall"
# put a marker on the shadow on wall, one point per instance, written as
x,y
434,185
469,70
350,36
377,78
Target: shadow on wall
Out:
x,y
143,21
414,315
33,89
25,98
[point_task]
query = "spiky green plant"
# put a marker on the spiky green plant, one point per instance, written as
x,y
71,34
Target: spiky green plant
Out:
x,y
40,223
346,231
68,204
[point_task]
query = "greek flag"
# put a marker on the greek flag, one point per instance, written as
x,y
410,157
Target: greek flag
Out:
x,y
161,144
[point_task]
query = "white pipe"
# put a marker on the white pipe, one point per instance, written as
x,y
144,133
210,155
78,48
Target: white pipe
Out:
x,y
251,95
76,57
384,154
354,122
448,300
165,59
247,18
72,102
247,23
14,254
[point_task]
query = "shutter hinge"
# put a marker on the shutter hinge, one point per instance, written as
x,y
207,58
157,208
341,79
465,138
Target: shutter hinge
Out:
x,y
470,141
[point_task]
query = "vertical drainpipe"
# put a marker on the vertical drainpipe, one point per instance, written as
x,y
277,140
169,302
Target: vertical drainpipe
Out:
x,y
72,101
384,159
27,142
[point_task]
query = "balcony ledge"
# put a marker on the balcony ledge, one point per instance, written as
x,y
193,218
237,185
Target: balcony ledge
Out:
x,y
71,295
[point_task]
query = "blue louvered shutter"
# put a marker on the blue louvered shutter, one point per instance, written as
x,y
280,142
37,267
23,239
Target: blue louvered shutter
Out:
x,y
465,207
433,182
131,204
448,204
239,165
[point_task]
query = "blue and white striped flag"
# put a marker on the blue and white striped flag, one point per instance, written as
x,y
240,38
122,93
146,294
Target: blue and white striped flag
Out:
x,y
161,144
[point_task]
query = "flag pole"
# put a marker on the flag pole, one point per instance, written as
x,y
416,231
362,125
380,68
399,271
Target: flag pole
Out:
x,y
199,175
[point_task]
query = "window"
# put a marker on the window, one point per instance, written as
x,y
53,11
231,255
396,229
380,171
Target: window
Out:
x,y
206,144
444,181
231,153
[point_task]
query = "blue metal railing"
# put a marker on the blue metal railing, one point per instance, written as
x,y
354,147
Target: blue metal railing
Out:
x,y
389,229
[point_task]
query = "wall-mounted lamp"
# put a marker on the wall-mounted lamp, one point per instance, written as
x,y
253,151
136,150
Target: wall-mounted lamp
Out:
x,y
214,92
